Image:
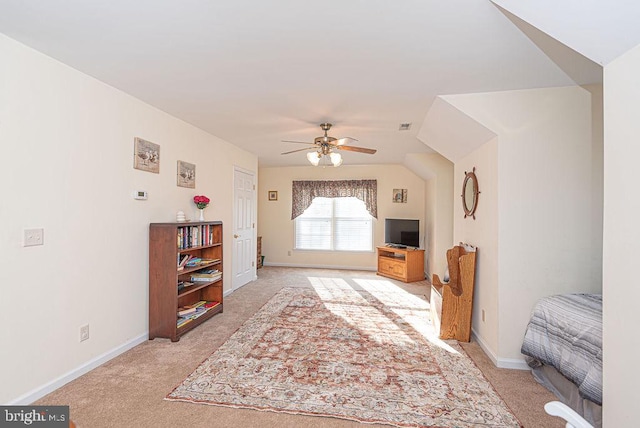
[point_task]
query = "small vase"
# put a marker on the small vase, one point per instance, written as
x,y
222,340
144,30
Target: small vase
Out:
x,y
201,214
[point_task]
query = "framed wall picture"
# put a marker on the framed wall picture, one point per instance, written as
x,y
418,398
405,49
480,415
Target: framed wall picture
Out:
x,y
186,175
400,196
273,195
146,155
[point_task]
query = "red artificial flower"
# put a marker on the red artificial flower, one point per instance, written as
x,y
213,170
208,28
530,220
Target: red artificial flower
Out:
x,y
201,201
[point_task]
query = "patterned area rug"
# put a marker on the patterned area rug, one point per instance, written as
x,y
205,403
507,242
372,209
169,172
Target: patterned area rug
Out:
x,y
367,355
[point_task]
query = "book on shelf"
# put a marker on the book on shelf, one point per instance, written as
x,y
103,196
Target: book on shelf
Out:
x,y
197,261
196,304
207,279
207,273
199,312
183,321
198,309
193,313
193,261
183,284
185,311
196,277
184,259
195,236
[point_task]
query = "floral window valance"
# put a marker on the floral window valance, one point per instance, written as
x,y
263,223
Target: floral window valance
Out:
x,y
305,191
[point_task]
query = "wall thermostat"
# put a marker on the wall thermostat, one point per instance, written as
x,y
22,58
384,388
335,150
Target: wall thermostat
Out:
x,y
140,194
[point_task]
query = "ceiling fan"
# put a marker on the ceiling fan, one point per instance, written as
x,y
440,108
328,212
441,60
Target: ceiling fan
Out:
x,y
326,146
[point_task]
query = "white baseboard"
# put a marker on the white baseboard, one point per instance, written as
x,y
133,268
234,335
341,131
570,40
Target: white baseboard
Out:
x,y
43,390
502,363
513,363
321,266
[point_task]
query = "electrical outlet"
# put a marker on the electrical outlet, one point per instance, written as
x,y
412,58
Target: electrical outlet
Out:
x,y
288,253
483,315
33,237
84,332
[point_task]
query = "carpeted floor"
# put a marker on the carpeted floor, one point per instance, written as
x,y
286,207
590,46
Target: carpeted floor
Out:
x,y
130,389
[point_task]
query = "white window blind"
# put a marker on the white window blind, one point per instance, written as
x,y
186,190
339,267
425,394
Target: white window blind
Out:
x,y
339,224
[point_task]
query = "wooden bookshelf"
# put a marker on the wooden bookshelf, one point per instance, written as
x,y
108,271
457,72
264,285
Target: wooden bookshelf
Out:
x,y
168,244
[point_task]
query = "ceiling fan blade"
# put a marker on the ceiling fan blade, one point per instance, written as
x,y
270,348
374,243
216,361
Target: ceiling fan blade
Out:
x,y
357,149
298,150
342,141
297,142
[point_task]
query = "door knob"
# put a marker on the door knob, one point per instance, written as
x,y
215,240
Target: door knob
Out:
x,y
236,236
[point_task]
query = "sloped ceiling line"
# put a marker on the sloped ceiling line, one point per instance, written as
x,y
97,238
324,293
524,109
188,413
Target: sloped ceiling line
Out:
x,y
451,132
598,30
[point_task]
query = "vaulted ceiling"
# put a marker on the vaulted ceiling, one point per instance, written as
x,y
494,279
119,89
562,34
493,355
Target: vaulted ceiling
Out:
x,y
255,72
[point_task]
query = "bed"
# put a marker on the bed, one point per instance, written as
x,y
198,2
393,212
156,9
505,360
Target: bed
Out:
x,y
563,347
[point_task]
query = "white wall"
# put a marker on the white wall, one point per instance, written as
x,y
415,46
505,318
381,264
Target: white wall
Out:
x,y
482,232
277,230
545,192
67,149
437,171
621,293
597,181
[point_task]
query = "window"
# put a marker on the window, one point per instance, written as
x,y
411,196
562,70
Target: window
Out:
x,y
339,224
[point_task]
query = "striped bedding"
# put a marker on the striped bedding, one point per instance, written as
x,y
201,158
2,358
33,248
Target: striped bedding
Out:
x,y
565,331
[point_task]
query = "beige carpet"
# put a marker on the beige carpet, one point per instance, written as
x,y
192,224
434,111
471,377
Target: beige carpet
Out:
x,y
130,389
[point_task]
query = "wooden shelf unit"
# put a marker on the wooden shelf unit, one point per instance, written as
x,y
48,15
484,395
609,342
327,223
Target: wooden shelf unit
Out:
x,y
167,244
403,264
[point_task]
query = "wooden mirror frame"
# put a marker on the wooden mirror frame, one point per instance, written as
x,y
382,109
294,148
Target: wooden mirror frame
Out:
x,y
470,179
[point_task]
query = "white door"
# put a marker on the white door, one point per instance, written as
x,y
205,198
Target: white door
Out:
x,y
244,244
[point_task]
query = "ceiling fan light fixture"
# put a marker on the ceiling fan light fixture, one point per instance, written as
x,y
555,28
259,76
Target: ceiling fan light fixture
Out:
x,y
327,147
336,159
314,158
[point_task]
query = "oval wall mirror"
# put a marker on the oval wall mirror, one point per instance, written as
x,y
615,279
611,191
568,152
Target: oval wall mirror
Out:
x,y
470,194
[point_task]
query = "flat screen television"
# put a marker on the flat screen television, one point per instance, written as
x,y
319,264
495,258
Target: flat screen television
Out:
x,y
401,233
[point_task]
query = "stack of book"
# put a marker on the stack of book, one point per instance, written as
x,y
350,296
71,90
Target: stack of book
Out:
x,y
208,275
188,313
193,261
190,261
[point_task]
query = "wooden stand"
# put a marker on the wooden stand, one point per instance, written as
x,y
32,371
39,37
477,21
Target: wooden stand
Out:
x,y
259,253
452,302
404,264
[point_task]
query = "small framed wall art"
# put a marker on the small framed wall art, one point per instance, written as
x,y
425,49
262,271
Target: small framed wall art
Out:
x,y
186,175
273,195
400,196
146,155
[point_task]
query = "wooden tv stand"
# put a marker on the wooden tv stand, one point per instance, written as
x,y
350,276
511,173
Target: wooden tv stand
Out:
x,y
403,264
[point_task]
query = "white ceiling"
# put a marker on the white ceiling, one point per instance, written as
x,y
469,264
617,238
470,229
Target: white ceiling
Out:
x,y
601,30
256,72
